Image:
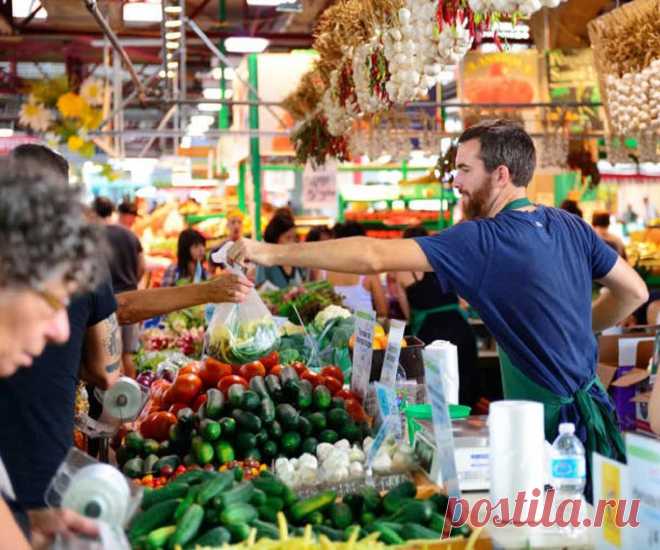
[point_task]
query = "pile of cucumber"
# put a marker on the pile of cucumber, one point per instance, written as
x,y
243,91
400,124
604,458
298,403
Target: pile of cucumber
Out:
x,y
273,416
210,509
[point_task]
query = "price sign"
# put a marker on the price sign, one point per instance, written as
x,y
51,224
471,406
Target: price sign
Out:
x,y
391,361
320,187
363,352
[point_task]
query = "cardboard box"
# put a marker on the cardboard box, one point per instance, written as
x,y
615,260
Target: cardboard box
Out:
x,y
623,366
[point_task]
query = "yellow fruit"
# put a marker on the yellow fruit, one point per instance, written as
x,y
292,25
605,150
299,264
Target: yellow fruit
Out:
x,y
404,344
351,342
378,330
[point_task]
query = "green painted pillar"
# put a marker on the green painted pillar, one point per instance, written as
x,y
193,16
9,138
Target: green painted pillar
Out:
x,y
223,115
241,186
255,154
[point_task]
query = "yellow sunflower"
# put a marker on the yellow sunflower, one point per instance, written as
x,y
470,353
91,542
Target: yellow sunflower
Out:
x,y
91,118
92,91
71,105
74,143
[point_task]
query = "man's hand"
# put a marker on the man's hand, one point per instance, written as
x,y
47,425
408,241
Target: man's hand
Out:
x,y
46,523
228,287
247,250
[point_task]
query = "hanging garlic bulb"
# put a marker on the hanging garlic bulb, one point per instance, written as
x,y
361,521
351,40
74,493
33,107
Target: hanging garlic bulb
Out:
x,y
339,120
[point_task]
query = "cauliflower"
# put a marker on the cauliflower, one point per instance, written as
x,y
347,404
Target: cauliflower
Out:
x,y
328,314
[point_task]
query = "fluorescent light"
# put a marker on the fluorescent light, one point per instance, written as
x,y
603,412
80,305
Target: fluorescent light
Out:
x,y
22,8
246,44
200,121
172,35
209,107
186,141
171,74
162,74
172,65
6,132
172,45
229,73
264,2
142,12
216,93
172,9
173,23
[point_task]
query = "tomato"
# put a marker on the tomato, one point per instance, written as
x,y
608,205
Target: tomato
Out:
x,y
315,378
212,371
191,368
228,381
270,360
177,407
299,367
186,387
276,370
235,369
158,389
347,394
157,425
356,411
334,372
332,384
251,370
201,399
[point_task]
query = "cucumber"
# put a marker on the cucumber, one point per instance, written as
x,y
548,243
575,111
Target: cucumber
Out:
x,y
224,452
288,374
387,534
356,503
246,421
371,499
305,507
158,537
215,400
338,403
211,518
228,426
319,422
133,468
188,525
245,441
191,477
267,514
289,497
262,437
334,535
241,494
309,445
274,388
186,503
235,395
272,487
258,498
275,430
210,430
158,515
440,502
352,432
415,531
236,514
291,443
214,487
213,537
287,416
274,503
267,410
414,511
367,518
437,522
170,460
134,442
403,491
328,436
315,518
204,453
305,428
266,530
338,418
258,386
170,491
305,395
321,398
341,515
239,532
251,401
269,450
148,467
348,532
291,391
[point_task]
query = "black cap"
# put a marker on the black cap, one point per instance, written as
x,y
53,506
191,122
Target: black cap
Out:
x,y
127,208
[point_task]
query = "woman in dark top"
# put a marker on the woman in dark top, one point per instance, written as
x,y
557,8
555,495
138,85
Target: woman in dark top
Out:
x,y
191,253
434,315
281,229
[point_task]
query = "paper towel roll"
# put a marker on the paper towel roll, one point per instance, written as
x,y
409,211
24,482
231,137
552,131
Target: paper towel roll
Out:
x,y
517,454
446,354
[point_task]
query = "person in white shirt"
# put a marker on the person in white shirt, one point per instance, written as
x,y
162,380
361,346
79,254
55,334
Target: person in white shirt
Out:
x,y
650,212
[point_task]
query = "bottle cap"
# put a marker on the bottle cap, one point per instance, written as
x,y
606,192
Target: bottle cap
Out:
x,y
566,428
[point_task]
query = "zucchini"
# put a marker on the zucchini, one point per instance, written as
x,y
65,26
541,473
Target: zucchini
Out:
x,y
267,514
387,534
215,400
274,388
213,537
214,487
245,441
239,532
158,515
291,443
289,496
415,531
304,427
337,403
262,437
287,416
414,511
191,477
133,468
309,445
251,400
291,391
275,430
238,513
341,515
172,490
246,421
334,535
392,500
305,507
188,525
210,430
258,498
352,432
228,426
134,442
328,436
267,410
266,530
241,494
275,503
305,395
235,395
288,374
258,386
269,450
338,418
158,537
321,398
273,487
185,503
319,422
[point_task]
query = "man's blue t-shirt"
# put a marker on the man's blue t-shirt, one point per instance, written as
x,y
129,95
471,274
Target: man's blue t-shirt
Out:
x,y
529,275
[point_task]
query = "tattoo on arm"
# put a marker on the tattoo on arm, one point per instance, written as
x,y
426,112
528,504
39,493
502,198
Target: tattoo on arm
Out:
x,y
112,340
113,366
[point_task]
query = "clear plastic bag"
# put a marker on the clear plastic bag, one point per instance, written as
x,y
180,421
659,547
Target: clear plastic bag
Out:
x,y
242,333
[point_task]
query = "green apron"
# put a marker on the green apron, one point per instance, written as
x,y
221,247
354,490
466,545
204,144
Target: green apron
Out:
x,y
418,316
603,435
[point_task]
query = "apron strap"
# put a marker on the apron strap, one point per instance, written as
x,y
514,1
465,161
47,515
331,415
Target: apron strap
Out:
x,y
418,316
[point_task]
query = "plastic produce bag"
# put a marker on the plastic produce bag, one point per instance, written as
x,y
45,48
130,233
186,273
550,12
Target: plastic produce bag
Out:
x,y
242,333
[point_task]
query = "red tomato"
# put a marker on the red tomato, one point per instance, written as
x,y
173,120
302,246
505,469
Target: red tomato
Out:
x,y
186,387
251,370
158,389
191,368
270,360
356,411
213,371
299,367
315,378
157,425
177,407
332,384
334,372
347,394
235,369
276,370
201,399
228,381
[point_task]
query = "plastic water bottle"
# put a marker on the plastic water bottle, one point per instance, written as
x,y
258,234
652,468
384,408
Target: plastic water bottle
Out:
x,y
568,471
